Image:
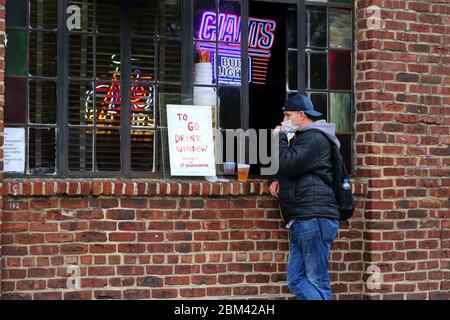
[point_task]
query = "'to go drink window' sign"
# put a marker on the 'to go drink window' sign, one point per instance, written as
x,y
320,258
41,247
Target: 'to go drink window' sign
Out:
x,y
191,143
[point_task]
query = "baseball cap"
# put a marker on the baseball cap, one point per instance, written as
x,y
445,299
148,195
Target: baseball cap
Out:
x,y
300,102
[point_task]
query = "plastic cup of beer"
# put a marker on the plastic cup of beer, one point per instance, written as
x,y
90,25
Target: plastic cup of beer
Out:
x,y
243,170
229,168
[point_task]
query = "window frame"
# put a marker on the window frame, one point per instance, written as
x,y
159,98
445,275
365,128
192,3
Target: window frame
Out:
x,y
186,85
63,79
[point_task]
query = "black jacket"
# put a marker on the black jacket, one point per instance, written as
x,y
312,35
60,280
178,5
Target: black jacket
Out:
x,y
303,165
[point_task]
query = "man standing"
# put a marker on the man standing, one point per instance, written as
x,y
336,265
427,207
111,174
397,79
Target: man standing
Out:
x,y
308,204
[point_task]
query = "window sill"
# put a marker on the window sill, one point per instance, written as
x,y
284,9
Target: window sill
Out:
x,y
139,187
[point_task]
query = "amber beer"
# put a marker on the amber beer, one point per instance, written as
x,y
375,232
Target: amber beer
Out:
x,y
243,170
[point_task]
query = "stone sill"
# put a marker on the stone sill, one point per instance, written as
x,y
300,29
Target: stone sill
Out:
x,y
139,187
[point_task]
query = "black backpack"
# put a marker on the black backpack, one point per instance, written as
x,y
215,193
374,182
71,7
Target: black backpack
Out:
x,y
344,197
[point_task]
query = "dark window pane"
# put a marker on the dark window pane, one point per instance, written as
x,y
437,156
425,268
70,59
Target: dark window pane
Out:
x,y
42,150
205,20
87,14
42,97
15,100
108,150
17,13
16,53
340,69
169,61
144,18
80,149
292,70
292,29
230,107
142,104
143,58
142,146
320,103
340,111
81,56
81,106
108,103
108,17
43,54
229,28
346,150
108,57
169,14
340,28
317,70
43,14
170,90
317,26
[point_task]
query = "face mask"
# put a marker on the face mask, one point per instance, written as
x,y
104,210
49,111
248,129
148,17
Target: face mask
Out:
x,y
288,127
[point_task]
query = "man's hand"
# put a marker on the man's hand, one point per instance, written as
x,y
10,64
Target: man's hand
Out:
x,y
274,188
277,129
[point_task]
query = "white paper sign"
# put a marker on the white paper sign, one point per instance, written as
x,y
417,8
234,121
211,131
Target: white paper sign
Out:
x,y
191,144
14,150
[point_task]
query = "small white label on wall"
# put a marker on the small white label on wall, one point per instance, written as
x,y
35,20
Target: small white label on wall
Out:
x,y
14,149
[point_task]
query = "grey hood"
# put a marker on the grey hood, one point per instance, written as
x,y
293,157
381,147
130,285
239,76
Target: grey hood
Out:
x,y
328,128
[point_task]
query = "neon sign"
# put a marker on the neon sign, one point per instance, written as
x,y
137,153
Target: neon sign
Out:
x,y
108,109
227,28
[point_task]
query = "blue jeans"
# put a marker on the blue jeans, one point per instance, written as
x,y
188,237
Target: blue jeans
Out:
x,y
309,250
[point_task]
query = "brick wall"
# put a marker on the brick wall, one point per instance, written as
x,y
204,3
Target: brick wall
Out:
x,y
155,240
402,145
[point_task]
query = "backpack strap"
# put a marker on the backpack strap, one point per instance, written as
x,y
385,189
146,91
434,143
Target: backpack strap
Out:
x,y
337,164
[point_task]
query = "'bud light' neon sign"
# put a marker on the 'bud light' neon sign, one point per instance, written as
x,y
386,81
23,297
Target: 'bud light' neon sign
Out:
x,y
227,30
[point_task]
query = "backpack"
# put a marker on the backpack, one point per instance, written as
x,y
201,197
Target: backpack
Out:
x,y
344,197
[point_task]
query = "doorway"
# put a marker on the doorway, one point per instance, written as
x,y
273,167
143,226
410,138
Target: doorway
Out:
x,y
268,88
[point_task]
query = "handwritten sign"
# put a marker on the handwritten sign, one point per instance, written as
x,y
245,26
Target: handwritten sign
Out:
x,y
191,144
14,148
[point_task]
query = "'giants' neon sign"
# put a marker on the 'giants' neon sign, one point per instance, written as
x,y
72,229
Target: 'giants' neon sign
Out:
x,y
227,30
260,39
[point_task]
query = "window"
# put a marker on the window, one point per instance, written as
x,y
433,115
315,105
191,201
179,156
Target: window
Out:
x,y
84,77
84,89
31,79
329,38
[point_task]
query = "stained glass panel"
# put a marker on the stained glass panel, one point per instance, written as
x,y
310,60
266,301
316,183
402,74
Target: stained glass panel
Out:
x,y
340,28
340,111
340,69
15,100
16,53
317,26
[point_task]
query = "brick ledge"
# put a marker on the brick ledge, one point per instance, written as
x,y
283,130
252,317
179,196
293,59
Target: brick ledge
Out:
x,y
139,187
